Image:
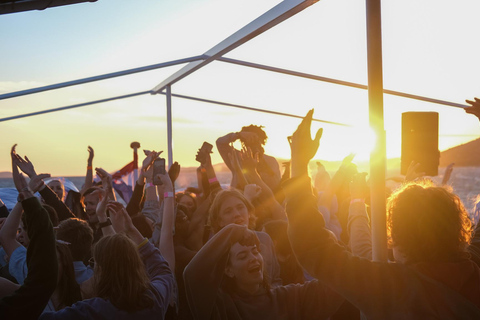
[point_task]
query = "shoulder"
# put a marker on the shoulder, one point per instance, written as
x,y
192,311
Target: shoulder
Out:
x,y
86,309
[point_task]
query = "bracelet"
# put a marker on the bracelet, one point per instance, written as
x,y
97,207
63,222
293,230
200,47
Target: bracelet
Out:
x,y
212,180
203,170
357,200
149,184
168,195
89,168
144,242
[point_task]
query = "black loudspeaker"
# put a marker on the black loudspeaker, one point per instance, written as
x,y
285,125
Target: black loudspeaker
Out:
x,y
420,141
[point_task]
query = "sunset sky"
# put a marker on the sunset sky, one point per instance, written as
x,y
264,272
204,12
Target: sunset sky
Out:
x,y
430,48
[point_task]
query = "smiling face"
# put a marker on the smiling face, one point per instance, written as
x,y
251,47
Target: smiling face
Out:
x,y
233,210
57,187
91,202
245,267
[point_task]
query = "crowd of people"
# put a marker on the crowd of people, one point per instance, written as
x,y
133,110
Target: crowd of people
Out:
x,y
273,245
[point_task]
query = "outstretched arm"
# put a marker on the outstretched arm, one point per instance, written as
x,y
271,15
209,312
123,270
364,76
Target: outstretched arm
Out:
x,y
36,184
30,300
474,107
89,175
168,222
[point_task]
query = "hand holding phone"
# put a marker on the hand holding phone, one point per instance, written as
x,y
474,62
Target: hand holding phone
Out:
x,y
158,168
205,149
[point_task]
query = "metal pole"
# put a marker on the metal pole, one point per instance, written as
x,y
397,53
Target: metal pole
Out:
x,y
98,78
169,125
378,155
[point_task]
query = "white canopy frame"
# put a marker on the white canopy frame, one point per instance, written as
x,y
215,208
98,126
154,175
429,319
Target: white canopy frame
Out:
x,y
271,18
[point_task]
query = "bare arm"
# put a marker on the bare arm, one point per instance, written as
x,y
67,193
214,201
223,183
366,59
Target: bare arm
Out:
x,y
9,229
168,221
89,175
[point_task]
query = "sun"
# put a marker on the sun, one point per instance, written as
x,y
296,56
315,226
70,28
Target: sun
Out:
x,y
363,141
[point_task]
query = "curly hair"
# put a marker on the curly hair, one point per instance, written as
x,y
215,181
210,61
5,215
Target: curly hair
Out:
x,y
428,223
262,136
214,212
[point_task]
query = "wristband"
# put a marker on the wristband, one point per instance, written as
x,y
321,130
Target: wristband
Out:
x,y
89,168
168,195
105,224
212,180
149,184
357,200
144,242
203,170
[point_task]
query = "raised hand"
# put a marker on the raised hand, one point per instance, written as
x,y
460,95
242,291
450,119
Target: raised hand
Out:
x,y
122,222
475,107
412,173
26,166
204,158
36,183
90,156
106,179
148,161
18,178
117,216
249,159
252,192
174,171
303,148
448,173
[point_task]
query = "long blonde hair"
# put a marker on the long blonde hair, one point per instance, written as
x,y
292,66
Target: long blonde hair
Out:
x,y
121,276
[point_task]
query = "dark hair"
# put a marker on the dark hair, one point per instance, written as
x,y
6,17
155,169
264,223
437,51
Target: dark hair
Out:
x,y
140,222
180,195
90,191
249,239
68,288
277,230
262,136
52,214
123,279
78,233
428,223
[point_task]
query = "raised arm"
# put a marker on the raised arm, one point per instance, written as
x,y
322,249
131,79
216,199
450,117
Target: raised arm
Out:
x,y
9,229
203,275
358,220
36,184
30,300
168,222
267,196
474,107
101,211
89,175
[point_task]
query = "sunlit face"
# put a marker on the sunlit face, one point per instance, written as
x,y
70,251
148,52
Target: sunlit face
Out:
x,y
188,202
22,235
245,266
91,201
233,210
58,188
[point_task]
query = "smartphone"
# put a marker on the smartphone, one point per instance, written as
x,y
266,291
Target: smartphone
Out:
x,y
206,147
158,168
